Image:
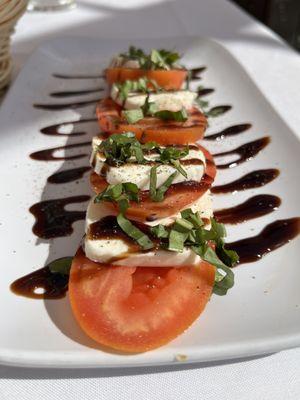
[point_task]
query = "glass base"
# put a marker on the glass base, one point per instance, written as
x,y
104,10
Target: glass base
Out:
x,y
50,5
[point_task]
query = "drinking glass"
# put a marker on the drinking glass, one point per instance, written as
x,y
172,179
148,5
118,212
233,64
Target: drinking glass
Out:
x,y
50,5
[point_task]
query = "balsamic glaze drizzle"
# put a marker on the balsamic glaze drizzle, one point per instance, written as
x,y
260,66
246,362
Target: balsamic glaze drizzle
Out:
x,y
254,207
219,110
245,151
72,93
252,180
195,72
64,106
231,131
204,91
48,154
64,76
53,130
68,175
272,237
52,220
41,284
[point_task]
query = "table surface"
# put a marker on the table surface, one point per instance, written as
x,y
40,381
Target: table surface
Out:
x,y
275,68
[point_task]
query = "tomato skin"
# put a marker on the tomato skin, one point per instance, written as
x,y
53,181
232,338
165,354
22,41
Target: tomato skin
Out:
x,y
169,80
137,309
152,129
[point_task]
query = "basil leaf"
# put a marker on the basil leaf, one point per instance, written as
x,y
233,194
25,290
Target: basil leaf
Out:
x,y
173,153
157,59
132,116
176,164
61,266
135,233
160,231
120,193
153,182
230,257
166,115
149,107
141,85
223,281
157,194
176,240
182,225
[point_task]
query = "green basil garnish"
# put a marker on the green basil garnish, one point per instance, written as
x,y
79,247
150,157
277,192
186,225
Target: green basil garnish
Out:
x,y
120,193
157,194
133,116
157,59
135,233
166,115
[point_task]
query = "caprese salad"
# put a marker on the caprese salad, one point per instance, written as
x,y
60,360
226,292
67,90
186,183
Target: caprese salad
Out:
x,y
152,254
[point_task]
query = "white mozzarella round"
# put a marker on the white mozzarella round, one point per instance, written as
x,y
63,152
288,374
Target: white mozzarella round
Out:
x,y
140,173
168,100
104,250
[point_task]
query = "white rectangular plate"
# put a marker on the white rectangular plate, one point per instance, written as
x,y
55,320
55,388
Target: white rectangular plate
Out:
x,y
261,314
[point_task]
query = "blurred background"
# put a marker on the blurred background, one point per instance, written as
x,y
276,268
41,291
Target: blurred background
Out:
x,y
282,16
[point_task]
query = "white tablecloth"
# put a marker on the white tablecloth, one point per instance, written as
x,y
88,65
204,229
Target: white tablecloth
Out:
x,y
276,69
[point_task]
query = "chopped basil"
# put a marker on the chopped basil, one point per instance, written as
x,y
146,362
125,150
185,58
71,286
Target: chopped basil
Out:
x,y
120,193
149,108
142,85
160,231
188,231
61,266
176,240
157,194
173,153
157,59
135,233
133,116
176,164
166,115
119,148
153,182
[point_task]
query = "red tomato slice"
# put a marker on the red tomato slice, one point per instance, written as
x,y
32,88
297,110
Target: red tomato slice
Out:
x,y
152,129
177,197
137,309
169,80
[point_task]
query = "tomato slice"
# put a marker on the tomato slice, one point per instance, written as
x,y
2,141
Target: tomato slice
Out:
x,y
152,129
177,197
170,80
137,309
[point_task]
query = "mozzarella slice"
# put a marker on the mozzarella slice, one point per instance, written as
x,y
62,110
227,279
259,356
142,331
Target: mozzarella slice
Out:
x,y
172,100
105,250
140,173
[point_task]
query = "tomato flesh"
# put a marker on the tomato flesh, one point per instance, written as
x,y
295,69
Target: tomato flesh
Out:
x,y
169,80
137,309
152,129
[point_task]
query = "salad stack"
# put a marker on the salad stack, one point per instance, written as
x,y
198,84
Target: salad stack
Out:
x,y
152,254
